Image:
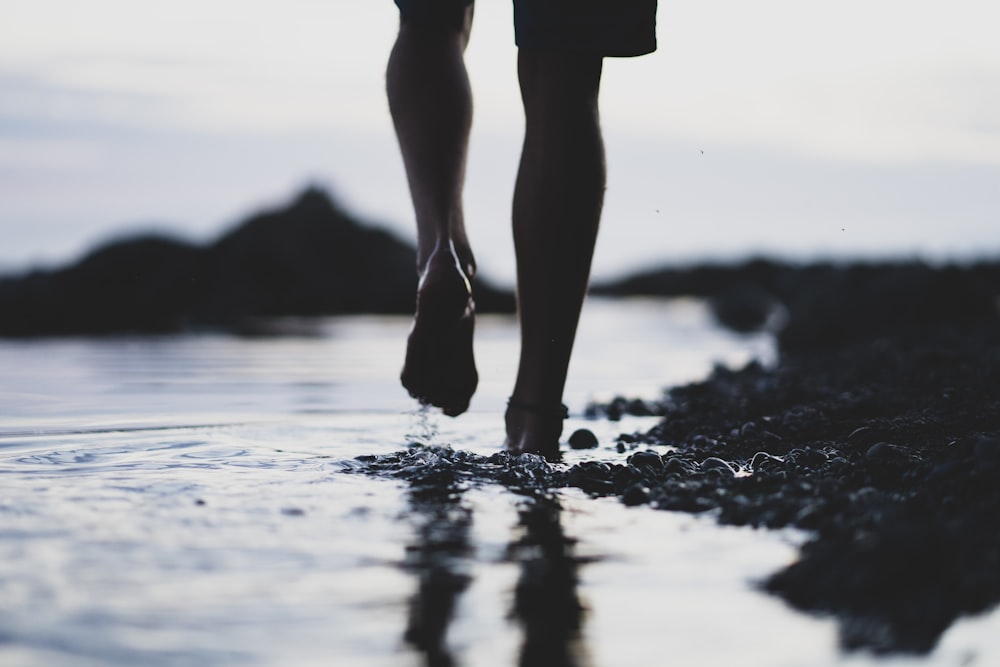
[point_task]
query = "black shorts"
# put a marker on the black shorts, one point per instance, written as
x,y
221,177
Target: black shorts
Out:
x,y
606,27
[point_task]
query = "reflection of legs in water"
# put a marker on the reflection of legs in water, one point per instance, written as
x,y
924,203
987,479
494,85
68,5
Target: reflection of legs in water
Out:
x,y
557,206
545,599
431,105
442,543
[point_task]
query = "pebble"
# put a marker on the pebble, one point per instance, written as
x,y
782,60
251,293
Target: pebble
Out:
x,y
862,432
715,463
583,438
810,458
624,476
883,452
764,461
636,494
676,465
592,477
647,459
987,449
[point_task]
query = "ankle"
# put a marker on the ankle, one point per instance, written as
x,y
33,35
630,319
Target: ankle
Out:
x,y
534,428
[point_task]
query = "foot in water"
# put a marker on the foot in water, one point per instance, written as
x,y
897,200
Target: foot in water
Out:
x,y
534,429
440,368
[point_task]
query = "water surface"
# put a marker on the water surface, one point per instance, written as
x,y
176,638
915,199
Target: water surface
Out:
x,y
189,500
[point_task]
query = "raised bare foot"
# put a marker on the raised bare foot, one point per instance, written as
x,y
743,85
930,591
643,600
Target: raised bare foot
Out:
x,y
440,368
534,428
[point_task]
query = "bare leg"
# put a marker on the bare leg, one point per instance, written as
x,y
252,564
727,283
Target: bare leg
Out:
x,y
431,105
557,207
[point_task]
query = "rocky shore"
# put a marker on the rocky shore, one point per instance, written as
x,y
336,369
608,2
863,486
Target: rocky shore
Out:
x,y
877,432
887,452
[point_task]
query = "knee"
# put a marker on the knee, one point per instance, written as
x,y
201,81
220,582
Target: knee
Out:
x,y
552,79
436,27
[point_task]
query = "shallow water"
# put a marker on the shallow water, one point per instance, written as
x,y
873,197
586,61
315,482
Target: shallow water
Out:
x,y
190,500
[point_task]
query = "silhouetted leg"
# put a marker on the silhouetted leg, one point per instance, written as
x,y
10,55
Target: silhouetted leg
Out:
x,y
431,105
557,207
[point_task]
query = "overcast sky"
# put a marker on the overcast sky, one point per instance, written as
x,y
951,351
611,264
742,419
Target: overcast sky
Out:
x,y
788,127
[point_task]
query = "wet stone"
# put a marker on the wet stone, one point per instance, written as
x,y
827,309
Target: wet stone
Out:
x,y
703,441
861,434
807,458
810,516
715,463
886,453
582,438
636,494
944,471
987,449
799,417
592,477
624,476
763,461
773,438
647,459
676,465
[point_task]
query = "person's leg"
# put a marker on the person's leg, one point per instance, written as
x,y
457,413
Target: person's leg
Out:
x,y
557,207
431,105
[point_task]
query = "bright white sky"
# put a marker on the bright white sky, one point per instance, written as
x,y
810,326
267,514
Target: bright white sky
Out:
x,y
192,112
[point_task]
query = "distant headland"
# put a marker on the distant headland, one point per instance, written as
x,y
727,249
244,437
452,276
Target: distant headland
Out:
x,y
313,258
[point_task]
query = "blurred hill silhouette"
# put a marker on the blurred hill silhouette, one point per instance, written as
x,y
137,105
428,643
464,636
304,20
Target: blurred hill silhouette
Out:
x,y
312,258
307,258
827,304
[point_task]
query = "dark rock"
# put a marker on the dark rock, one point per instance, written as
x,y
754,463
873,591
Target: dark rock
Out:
x,y
583,438
715,463
764,461
987,449
676,465
648,459
624,476
592,477
635,495
806,458
885,453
